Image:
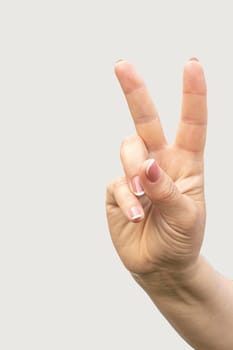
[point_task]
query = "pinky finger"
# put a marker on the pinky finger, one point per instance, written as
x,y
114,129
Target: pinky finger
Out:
x,y
128,202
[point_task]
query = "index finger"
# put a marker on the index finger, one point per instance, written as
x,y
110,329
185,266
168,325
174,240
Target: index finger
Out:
x,y
141,106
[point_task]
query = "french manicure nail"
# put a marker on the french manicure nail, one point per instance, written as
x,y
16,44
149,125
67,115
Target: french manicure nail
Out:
x,y
194,59
136,213
119,60
152,170
137,188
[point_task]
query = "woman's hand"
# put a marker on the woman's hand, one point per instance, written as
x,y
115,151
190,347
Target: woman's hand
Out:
x,y
163,229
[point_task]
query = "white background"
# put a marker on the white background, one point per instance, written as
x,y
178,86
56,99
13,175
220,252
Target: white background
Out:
x,y
62,119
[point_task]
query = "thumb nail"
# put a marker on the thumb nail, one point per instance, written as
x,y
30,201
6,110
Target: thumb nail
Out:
x,y
152,170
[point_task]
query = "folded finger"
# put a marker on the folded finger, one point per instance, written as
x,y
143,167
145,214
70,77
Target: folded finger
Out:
x,y
126,201
133,153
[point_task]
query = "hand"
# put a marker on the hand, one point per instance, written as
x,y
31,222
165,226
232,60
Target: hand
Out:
x,y
164,228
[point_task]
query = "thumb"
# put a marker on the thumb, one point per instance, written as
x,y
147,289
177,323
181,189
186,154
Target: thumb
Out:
x,y
162,190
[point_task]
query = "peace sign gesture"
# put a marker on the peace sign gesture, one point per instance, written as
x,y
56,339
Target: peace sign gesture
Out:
x,y
156,211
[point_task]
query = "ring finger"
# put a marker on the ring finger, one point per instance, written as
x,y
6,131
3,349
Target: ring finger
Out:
x,y
133,153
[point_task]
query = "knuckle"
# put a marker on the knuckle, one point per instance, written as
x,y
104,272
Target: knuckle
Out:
x,y
113,187
109,188
120,181
130,145
128,141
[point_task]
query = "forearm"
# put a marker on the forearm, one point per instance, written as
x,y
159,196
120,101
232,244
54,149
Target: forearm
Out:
x,y
199,307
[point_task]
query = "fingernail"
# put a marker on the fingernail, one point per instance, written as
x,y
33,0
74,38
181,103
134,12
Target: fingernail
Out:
x,y
135,213
119,60
194,59
137,188
152,170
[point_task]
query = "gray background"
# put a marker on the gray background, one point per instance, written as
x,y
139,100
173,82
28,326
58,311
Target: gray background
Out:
x,y
62,119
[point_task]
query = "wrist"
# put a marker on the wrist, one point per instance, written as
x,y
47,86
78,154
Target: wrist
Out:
x,y
171,283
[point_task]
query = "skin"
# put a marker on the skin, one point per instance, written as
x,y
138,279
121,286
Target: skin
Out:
x,y
158,235
170,232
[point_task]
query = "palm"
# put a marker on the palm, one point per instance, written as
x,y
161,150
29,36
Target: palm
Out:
x,y
142,245
162,238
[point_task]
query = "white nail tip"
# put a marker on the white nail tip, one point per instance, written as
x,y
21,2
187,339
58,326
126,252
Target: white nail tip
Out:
x,y
139,194
150,162
137,216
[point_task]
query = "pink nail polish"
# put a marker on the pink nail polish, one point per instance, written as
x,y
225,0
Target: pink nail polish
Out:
x,y
152,171
136,213
136,186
